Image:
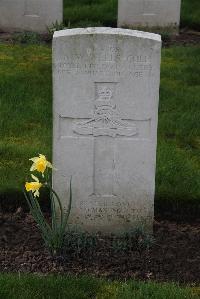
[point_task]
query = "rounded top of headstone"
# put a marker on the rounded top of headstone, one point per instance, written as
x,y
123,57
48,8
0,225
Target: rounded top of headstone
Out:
x,y
107,30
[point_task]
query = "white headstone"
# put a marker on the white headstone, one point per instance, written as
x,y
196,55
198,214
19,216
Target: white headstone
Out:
x,y
150,13
106,93
31,15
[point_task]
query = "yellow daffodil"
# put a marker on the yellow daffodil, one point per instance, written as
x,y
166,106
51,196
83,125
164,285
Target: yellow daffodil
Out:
x,y
34,186
40,164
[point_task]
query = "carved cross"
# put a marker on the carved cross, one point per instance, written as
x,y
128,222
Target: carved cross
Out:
x,y
105,126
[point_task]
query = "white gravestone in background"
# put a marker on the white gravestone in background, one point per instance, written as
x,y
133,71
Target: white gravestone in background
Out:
x,y
106,93
150,13
31,15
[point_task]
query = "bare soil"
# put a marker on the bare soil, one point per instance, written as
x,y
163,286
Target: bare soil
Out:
x,y
185,37
174,256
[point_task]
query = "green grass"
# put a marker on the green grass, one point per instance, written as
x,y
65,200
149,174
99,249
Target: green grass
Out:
x,y
26,120
83,13
190,14
65,287
178,163
25,110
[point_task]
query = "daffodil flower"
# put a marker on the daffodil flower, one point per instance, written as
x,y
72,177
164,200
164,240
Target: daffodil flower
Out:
x,y
34,186
40,164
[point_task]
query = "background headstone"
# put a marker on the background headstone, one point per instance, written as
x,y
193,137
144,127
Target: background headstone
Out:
x,y
150,13
30,15
106,93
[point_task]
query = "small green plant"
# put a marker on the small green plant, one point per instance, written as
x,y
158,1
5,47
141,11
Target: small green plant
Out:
x,y
53,233
135,240
80,242
166,36
55,27
27,37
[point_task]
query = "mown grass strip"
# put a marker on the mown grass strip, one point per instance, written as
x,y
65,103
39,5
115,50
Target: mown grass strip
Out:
x,y
67,287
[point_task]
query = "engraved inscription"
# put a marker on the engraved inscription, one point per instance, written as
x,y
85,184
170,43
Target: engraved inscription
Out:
x,y
111,210
106,120
104,62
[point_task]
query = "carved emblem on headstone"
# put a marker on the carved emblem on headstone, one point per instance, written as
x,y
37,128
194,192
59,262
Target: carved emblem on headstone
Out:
x,y
106,120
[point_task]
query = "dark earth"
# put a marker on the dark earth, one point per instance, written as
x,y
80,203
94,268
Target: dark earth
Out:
x,y
174,255
184,38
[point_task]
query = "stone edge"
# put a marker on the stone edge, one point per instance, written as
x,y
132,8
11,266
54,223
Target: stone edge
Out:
x,y
107,30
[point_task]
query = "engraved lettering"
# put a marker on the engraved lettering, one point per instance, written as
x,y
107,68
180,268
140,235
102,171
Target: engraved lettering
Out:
x,y
105,63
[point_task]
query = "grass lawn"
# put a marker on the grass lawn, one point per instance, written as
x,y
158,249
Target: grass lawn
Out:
x,y
25,110
178,163
64,287
26,120
82,13
190,14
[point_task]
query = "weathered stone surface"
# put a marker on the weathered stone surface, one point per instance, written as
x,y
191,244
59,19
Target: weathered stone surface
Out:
x,y
150,13
106,93
32,15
